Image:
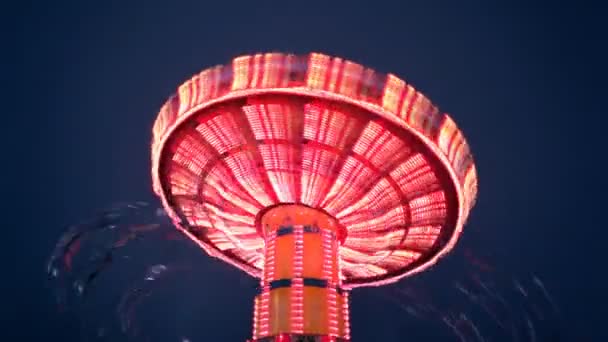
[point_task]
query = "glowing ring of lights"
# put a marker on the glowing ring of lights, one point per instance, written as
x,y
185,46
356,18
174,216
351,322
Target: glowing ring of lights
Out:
x,y
179,109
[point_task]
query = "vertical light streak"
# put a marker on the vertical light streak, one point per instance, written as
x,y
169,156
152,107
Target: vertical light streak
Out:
x,y
256,316
297,285
345,311
268,276
329,256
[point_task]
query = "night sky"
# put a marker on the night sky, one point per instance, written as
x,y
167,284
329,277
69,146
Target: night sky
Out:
x,y
523,81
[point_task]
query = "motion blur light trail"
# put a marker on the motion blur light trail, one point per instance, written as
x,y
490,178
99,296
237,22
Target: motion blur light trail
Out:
x,y
102,237
485,304
96,254
133,297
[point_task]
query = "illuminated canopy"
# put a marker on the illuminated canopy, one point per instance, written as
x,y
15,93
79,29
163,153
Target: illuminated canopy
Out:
x,y
366,148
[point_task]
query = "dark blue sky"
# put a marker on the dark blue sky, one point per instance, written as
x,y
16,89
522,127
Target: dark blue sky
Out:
x,y
523,81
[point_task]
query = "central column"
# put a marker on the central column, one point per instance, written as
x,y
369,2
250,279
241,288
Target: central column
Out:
x,y
301,298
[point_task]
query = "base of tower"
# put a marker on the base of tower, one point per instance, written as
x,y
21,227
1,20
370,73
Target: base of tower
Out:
x,y
299,338
300,296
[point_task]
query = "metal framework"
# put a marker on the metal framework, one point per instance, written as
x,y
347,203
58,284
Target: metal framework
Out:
x,y
315,175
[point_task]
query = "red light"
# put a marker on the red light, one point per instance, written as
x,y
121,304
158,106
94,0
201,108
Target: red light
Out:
x,y
367,149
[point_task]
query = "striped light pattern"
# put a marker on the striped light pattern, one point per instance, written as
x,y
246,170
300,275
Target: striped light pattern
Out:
x,y
304,288
330,273
345,312
328,133
297,286
262,302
